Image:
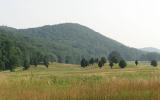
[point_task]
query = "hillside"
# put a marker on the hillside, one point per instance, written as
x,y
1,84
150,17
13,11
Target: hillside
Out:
x,y
70,42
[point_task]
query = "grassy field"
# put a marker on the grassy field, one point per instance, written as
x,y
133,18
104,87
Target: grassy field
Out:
x,y
71,82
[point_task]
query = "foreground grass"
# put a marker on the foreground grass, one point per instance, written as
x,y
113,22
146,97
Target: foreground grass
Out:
x,y
70,82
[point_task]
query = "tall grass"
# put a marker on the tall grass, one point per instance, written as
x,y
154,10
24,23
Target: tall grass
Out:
x,y
57,83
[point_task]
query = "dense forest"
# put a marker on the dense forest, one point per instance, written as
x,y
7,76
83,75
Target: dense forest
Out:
x,y
63,43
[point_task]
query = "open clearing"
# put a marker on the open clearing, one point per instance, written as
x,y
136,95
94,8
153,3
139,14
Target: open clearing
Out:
x,y
71,82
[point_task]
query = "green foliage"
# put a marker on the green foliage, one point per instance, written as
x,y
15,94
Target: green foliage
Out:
x,y
84,62
114,57
136,62
103,60
64,43
71,41
122,64
8,54
154,63
100,64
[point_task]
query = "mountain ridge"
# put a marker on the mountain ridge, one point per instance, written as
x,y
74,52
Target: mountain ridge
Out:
x,y
74,41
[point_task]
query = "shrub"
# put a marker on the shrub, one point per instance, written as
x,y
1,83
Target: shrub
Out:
x,y
122,64
136,62
100,64
84,62
154,63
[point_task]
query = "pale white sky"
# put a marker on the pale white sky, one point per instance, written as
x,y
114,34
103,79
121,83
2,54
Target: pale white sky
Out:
x,y
135,23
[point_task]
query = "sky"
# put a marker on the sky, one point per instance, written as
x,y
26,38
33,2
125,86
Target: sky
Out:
x,y
135,23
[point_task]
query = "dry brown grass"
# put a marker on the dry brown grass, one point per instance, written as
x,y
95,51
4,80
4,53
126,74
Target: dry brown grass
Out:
x,y
60,82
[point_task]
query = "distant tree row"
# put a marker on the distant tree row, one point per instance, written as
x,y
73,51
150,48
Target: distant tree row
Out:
x,y
113,58
153,63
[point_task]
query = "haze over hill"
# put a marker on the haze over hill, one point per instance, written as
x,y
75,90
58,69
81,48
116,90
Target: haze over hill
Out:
x,y
70,42
151,49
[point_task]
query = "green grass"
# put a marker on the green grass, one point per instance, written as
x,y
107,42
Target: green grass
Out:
x,y
71,82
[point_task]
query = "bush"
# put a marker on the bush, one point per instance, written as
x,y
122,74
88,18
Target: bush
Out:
x,y
100,64
84,62
122,64
154,63
136,62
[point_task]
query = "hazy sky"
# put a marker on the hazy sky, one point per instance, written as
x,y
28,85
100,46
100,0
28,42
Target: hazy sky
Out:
x,y
135,23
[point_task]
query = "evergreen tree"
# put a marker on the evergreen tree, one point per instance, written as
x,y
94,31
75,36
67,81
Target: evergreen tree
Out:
x,y
84,62
154,63
100,64
122,64
136,62
103,60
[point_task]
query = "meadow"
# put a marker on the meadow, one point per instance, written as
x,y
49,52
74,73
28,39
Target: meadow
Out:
x,y
71,82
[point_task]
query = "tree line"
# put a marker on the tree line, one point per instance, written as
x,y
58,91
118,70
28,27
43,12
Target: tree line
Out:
x,y
18,50
113,58
14,55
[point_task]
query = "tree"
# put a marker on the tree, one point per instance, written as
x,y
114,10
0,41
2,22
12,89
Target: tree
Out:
x,y
154,63
45,61
136,62
84,63
100,64
114,57
91,61
103,60
111,64
9,57
122,64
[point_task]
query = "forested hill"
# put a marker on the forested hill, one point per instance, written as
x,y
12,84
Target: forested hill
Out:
x,y
69,42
